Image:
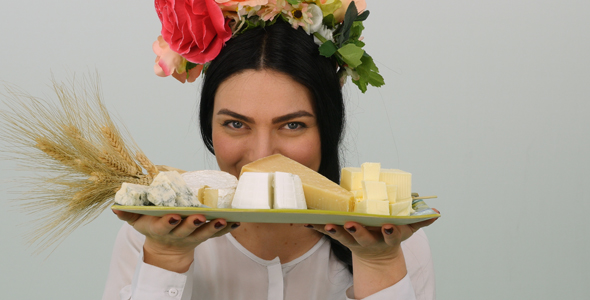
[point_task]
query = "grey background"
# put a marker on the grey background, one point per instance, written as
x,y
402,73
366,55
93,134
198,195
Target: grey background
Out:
x,y
486,103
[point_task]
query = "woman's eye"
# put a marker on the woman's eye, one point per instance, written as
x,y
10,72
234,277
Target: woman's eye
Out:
x,y
294,125
234,124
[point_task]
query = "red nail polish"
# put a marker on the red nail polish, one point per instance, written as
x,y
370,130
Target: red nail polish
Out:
x,y
388,230
198,222
235,225
308,226
173,221
332,230
218,225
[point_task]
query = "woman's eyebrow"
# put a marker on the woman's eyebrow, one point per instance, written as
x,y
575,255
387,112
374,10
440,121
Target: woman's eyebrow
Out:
x,y
235,115
287,117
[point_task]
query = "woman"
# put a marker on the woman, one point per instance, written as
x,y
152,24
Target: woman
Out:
x,y
269,91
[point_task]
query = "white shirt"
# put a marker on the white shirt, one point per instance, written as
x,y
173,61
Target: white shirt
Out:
x,y
224,269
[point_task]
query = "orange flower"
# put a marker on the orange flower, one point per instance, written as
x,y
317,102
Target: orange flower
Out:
x,y
361,5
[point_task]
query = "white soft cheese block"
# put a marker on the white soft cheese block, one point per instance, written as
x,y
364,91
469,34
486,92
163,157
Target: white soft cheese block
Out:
x,y
132,194
288,191
254,191
320,192
371,171
350,178
391,193
401,208
402,179
217,187
169,189
374,190
376,207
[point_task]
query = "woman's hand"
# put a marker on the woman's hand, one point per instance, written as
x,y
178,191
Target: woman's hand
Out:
x,y
170,240
378,260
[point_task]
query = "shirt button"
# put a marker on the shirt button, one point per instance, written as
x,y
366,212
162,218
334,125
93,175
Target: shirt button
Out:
x,y
172,292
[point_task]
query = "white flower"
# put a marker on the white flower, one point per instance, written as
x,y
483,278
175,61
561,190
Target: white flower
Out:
x,y
316,18
325,32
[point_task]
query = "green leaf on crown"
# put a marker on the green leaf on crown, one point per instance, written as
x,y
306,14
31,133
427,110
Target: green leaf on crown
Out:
x,y
293,2
328,48
351,54
368,74
329,21
362,16
351,14
356,31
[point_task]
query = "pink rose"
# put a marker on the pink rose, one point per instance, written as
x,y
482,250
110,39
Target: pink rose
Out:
x,y
195,29
242,3
361,5
169,63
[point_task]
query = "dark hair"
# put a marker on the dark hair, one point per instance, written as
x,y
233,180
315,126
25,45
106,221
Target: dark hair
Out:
x,y
293,52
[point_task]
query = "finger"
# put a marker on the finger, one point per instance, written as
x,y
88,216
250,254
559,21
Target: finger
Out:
x,y
209,229
341,234
416,226
363,235
392,235
126,216
165,224
230,227
188,226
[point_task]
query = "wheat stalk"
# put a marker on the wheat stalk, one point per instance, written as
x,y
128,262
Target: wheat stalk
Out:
x,y
147,164
84,156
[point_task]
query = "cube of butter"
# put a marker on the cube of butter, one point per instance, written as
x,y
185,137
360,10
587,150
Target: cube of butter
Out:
x,y
401,208
402,179
374,190
358,195
391,193
351,178
376,207
371,171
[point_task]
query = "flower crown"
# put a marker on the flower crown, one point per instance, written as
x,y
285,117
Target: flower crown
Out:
x,y
194,31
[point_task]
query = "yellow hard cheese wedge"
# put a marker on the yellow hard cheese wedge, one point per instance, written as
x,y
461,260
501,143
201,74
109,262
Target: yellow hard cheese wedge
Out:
x,y
320,192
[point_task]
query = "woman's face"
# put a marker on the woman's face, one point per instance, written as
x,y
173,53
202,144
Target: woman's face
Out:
x,y
260,113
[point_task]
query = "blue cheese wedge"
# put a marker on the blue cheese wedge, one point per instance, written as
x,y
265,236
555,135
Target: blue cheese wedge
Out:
x,y
132,195
169,189
288,191
215,189
254,191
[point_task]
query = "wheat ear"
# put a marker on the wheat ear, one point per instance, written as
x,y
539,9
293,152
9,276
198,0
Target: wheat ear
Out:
x,y
77,149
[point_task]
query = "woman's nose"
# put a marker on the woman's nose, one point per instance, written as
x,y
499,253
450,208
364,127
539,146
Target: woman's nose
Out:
x,y
262,145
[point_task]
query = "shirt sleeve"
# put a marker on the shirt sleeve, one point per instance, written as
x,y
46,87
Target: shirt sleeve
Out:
x,y
130,278
402,290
